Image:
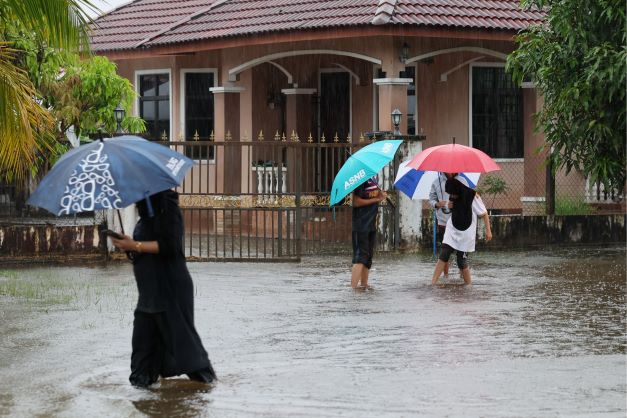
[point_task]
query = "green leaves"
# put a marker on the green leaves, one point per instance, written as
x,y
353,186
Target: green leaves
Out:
x,y
26,127
578,61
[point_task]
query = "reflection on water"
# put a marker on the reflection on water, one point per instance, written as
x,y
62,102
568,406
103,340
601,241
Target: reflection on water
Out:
x,y
539,333
176,398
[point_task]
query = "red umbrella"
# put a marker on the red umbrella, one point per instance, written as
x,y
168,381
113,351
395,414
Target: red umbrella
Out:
x,y
453,158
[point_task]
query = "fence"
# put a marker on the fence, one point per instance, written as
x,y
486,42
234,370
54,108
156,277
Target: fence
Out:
x,y
269,200
520,190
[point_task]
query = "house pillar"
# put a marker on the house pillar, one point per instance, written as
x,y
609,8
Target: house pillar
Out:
x,y
392,95
226,128
298,111
533,199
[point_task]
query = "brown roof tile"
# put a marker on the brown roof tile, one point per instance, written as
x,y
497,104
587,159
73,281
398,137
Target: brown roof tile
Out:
x,y
145,23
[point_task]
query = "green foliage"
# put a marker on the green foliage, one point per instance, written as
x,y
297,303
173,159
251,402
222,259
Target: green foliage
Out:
x,y
26,127
572,206
578,61
86,95
78,92
493,186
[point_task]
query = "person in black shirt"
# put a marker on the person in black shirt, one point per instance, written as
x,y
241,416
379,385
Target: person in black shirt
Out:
x,y
366,200
165,342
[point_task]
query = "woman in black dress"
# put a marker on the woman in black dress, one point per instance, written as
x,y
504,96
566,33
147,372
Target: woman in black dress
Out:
x,y
165,342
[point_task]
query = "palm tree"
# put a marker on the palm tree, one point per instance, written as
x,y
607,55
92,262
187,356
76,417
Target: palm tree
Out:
x,y
26,128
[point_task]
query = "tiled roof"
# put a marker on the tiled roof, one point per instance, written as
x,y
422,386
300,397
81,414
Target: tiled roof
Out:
x,y
145,23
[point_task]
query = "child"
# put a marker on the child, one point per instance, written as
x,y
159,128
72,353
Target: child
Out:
x,y
461,228
366,200
438,200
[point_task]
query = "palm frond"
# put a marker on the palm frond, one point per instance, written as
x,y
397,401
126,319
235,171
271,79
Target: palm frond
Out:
x,y
26,126
61,23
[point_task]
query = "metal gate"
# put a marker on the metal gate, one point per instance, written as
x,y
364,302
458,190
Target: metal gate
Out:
x,y
268,200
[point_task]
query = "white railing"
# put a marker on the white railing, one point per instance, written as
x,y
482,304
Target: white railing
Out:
x,y
595,193
268,182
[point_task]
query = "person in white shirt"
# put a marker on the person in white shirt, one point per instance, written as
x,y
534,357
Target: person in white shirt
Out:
x,y
461,227
438,200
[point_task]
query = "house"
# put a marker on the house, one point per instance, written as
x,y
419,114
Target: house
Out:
x,y
228,80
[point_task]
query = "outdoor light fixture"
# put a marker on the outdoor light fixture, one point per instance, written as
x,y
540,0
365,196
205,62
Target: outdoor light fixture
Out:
x,y
404,53
396,120
119,114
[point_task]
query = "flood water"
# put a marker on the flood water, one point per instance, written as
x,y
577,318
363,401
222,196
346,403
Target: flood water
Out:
x,y
538,334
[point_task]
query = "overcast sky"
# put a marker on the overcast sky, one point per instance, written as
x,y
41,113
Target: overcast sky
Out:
x,y
106,5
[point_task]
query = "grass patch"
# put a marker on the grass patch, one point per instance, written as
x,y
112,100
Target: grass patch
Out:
x,y
572,206
57,288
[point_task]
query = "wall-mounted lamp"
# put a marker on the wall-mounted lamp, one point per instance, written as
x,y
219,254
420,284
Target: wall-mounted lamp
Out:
x,y
403,55
396,121
273,99
119,114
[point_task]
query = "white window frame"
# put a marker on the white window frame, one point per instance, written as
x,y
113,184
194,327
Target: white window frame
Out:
x,y
413,64
470,67
183,72
375,99
350,99
139,73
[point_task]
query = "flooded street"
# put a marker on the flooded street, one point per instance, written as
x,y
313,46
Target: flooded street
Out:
x,y
538,334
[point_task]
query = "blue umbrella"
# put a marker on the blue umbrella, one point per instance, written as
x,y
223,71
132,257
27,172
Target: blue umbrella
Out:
x,y
362,165
109,174
416,184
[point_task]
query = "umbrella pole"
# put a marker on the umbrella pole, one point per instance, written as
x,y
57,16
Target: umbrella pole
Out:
x,y
435,227
120,219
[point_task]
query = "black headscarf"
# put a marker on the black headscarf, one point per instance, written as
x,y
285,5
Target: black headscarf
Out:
x,y
462,197
158,203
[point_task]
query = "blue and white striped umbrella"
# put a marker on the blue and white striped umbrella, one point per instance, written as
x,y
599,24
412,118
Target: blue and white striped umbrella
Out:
x,y
109,174
417,184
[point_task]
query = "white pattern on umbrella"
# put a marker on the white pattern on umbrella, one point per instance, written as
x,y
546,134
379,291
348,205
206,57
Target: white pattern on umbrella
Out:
x,y
94,174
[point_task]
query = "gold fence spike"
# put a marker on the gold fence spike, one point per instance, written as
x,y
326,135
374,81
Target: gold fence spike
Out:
x,y
283,137
361,137
348,138
164,137
228,136
323,139
181,136
310,138
293,136
277,137
296,138
196,136
336,138
212,136
245,136
260,137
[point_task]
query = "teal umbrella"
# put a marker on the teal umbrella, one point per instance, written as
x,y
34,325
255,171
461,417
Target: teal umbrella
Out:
x,y
362,165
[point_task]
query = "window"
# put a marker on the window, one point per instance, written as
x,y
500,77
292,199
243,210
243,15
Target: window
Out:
x,y
410,72
154,105
199,111
497,122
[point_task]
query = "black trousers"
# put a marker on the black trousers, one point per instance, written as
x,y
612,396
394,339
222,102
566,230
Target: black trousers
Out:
x,y
151,351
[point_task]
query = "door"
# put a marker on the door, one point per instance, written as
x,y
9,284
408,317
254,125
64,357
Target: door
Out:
x,y
335,110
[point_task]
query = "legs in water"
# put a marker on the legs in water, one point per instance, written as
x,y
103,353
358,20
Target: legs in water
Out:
x,y
206,375
466,275
439,268
147,356
359,275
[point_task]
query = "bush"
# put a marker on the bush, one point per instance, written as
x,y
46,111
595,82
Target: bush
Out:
x,y
572,206
494,186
